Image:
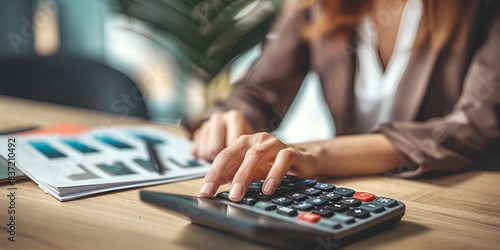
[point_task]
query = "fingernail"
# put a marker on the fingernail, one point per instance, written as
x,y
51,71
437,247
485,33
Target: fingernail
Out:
x,y
236,192
207,189
269,187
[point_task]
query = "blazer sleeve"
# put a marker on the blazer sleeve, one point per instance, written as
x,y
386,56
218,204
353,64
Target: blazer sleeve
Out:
x,y
469,136
269,87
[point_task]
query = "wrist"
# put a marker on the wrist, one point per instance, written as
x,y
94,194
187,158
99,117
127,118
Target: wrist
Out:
x,y
316,153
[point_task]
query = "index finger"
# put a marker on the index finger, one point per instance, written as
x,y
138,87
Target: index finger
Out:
x,y
223,169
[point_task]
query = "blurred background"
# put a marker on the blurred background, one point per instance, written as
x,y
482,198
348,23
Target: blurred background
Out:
x,y
157,59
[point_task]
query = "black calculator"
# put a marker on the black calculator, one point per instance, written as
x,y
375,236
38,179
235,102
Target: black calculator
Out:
x,y
302,213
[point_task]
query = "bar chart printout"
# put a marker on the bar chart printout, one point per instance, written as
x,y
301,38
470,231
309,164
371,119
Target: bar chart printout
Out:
x,y
70,167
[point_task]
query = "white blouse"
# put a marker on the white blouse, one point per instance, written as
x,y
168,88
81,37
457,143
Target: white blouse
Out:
x,y
374,89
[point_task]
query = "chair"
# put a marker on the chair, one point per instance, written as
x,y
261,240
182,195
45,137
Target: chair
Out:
x,y
71,81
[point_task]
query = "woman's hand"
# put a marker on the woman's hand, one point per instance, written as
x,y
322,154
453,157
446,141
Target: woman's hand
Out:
x,y
218,132
255,157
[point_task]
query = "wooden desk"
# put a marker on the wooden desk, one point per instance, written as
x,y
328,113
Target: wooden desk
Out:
x,y
453,211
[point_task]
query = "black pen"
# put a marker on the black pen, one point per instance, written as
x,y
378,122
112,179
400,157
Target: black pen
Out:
x,y
17,130
155,160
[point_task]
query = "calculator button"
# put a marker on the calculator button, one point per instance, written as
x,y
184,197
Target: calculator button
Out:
x,y
330,224
338,207
309,217
325,187
311,191
249,192
297,196
358,213
264,205
386,202
249,201
257,183
261,196
279,191
331,196
290,187
372,207
351,202
289,179
287,211
344,218
364,196
223,195
306,182
344,192
317,201
283,201
254,188
323,212
303,206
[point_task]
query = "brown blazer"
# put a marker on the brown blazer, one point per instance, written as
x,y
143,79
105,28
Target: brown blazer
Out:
x,y
447,107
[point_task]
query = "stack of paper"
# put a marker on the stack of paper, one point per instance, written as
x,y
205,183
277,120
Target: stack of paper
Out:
x,y
69,167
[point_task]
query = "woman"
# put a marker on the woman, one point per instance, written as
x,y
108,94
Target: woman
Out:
x,y
411,89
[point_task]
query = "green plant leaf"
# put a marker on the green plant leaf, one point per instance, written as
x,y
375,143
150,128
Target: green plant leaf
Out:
x,y
207,31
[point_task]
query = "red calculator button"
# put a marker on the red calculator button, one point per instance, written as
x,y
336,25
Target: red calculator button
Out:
x,y
364,196
309,217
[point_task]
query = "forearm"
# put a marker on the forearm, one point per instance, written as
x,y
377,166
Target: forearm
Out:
x,y
353,155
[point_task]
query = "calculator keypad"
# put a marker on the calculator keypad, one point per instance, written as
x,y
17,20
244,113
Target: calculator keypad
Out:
x,y
306,200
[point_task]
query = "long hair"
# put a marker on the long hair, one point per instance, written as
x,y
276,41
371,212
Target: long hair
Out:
x,y
440,17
